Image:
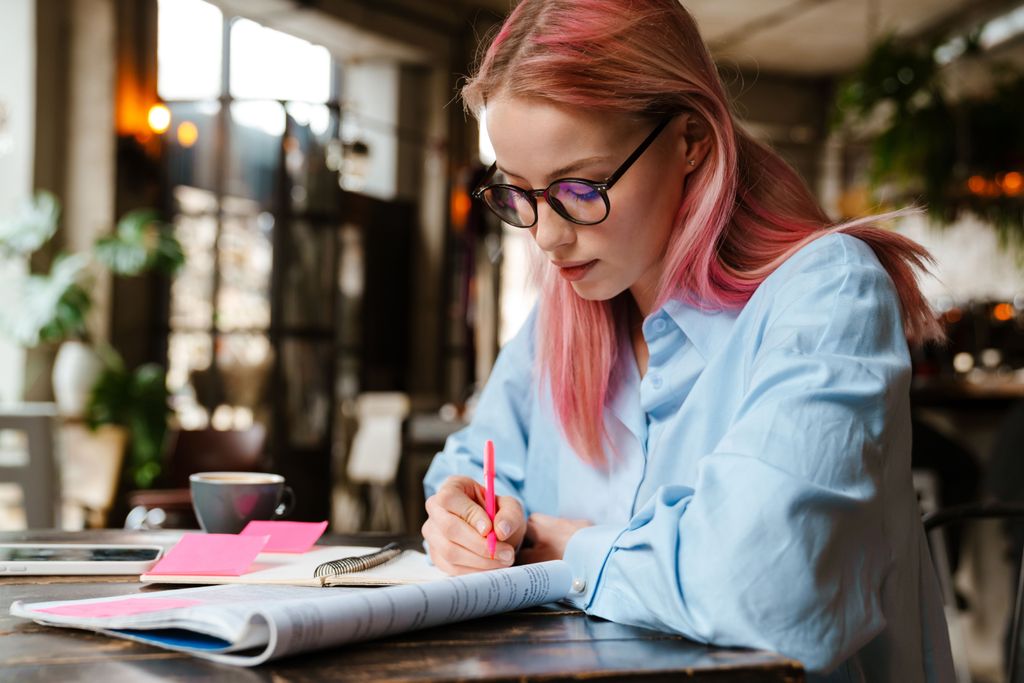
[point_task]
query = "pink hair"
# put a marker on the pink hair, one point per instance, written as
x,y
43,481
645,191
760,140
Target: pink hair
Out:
x,y
745,212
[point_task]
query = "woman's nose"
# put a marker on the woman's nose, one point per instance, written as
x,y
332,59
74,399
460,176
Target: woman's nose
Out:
x,y
552,231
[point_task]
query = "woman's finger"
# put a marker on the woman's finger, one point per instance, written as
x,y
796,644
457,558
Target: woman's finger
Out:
x,y
453,497
449,555
509,522
467,485
458,531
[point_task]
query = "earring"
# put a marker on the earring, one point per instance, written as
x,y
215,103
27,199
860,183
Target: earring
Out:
x,y
692,162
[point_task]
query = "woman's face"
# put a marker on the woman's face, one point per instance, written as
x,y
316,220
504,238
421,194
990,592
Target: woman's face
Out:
x,y
536,142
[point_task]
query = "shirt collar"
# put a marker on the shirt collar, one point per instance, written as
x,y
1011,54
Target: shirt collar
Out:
x,y
706,329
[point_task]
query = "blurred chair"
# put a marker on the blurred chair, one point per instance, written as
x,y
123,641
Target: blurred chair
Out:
x,y
200,450
91,462
38,475
957,474
933,521
374,457
1004,476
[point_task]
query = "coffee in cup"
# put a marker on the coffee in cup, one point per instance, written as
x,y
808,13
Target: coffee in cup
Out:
x,y
224,502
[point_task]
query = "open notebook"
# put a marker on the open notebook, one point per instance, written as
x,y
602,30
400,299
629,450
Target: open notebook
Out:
x,y
297,570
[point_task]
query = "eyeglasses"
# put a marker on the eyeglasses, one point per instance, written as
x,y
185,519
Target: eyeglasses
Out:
x,y
580,201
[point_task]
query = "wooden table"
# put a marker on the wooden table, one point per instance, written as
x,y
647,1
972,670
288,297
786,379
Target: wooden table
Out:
x,y
962,395
545,644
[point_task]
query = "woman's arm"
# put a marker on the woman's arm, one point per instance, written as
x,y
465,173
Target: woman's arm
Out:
x,y
457,524
781,543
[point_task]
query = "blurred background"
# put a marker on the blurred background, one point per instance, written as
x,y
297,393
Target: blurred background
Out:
x,y
238,235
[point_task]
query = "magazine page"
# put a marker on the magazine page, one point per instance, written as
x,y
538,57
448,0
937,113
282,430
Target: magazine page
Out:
x,y
250,624
215,613
373,613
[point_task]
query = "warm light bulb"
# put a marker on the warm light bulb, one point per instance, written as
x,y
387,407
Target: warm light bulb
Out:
x,y
1013,183
159,118
460,206
976,184
188,133
1003,312
963,362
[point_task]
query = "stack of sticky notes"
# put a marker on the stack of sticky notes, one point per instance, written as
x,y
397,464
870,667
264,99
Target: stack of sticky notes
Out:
x,y
201,554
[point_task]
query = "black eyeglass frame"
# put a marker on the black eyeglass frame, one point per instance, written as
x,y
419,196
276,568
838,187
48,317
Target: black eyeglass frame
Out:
x,y
601,187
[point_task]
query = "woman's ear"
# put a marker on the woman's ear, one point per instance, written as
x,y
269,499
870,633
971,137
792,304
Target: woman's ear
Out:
x,y
694,140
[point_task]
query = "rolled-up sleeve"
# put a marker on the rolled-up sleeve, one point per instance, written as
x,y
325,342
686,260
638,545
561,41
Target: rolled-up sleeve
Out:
x,y
780,541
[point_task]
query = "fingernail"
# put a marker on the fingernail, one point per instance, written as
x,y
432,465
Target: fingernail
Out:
x,y
504,529
506,556
481,526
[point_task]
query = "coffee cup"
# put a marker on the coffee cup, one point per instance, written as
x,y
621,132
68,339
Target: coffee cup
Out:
x,y
224,502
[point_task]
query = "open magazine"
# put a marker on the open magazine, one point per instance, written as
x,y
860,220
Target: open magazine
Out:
x,y
248,625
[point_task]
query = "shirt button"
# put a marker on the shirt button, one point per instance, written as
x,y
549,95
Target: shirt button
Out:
x,y
656,381
579,585
660,325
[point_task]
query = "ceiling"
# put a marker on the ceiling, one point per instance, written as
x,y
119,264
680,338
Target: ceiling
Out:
x,y
345,39
812,37
795,37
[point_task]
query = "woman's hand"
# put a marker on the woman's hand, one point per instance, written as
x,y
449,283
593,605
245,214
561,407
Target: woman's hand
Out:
x,y
457,526
547,536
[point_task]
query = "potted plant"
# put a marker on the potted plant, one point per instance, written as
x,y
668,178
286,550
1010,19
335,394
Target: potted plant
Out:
x,y
136,400
91,384
51,308
957,154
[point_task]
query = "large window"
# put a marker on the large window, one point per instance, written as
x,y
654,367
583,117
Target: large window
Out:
x,y
189,50
267,133
518,286
244,100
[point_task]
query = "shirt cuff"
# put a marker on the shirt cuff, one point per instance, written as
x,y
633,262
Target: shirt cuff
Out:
x,y
586,553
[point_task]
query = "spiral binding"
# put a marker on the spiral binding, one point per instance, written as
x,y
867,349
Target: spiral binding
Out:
x,y
348,565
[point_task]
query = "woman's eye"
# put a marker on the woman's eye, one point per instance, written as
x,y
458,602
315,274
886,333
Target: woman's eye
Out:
x,y
578,192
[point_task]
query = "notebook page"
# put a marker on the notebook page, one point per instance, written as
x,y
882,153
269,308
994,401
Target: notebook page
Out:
x,y
297,570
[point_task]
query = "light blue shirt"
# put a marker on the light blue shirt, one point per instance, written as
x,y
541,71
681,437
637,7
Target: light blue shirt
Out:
x,y
761,495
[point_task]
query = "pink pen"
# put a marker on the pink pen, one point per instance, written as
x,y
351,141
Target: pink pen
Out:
x,y
492,539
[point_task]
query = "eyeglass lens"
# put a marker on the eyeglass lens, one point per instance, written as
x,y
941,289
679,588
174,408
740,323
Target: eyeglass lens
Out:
x,y
579,202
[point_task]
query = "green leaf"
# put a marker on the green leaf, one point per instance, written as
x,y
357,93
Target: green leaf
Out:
x,y
140,243
50,308
924,148
32,225
139,401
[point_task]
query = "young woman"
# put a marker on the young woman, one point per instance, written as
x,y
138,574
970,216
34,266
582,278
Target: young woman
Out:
x,y
707,415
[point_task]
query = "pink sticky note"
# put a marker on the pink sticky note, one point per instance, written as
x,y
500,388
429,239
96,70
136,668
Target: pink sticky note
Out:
x,y
211,555
119,608
286,537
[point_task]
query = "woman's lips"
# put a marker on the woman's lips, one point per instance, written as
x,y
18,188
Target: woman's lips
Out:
x,y
572,273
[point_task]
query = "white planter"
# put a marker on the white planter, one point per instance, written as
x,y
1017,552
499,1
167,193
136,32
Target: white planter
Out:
x,y
75,371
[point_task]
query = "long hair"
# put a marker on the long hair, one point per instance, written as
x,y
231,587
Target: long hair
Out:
x,y
745,210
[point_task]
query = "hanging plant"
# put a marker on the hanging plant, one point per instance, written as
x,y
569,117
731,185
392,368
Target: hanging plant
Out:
x,y
953,155
140,243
